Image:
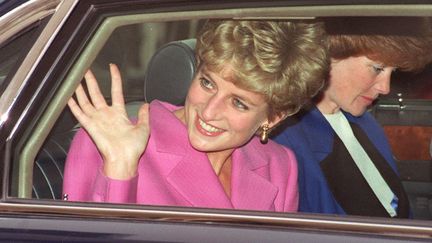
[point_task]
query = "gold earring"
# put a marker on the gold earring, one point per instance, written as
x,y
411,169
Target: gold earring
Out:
x,y
264,134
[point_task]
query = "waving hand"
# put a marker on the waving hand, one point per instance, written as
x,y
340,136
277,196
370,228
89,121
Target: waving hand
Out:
x,y
120,142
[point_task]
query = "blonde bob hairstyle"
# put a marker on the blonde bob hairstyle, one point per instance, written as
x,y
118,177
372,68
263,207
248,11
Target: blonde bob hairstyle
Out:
x,y
285,61
403,42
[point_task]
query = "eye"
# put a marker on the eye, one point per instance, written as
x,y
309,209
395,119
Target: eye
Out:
x,y
239,104
206,84
377,68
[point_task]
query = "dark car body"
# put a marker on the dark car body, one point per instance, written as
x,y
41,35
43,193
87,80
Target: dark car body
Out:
x,y
45,48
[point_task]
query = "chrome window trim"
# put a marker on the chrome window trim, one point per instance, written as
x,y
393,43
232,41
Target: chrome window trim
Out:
x,y
23,16
32,59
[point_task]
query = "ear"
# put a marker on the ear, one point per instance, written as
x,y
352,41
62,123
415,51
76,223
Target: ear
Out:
x,y
276,120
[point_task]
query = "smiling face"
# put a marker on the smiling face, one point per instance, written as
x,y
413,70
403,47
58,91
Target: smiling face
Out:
x,y
354,83
220,116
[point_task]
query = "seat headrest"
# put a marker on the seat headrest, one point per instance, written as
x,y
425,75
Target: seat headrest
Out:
x,y
170,72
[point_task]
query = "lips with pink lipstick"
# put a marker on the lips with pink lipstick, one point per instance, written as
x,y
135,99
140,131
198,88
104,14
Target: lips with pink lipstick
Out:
x,y
207,129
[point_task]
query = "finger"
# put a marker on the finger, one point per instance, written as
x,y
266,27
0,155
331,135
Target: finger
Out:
x,y
83,100
143,116
116,87
77,112
93,88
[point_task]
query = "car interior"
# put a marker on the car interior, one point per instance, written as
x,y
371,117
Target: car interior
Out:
x,y
38,173
405,115
163,67
176,56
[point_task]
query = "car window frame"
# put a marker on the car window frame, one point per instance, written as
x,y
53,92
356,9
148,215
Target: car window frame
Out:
x,y
38,10
135,212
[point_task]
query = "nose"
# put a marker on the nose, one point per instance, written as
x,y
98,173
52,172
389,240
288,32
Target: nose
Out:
x,y
383,84
213,108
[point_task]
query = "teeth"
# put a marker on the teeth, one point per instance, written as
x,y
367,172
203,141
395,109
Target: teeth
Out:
x,y
208,127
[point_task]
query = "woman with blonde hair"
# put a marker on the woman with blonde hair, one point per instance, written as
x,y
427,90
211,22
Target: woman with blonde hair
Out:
x,y
204,154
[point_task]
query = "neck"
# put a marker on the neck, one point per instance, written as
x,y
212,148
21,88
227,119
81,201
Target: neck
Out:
x,y
327,106
219,159
180,114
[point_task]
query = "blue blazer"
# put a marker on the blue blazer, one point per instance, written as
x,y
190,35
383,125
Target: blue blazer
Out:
x,y
311,139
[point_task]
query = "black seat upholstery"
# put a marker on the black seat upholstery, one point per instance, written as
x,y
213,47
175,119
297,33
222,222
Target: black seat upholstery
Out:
x,y
168,76
170,71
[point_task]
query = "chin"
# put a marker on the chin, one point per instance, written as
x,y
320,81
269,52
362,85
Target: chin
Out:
x,y
358,112
200,145
204,146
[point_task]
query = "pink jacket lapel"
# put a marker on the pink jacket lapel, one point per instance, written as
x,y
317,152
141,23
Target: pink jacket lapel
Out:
x,y
250,183
195,180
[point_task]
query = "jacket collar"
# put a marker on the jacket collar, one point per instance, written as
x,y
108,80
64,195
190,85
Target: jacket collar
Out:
x,y
320,134
318,131
193,177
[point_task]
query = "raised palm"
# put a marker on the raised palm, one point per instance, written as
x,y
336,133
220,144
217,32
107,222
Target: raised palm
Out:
x,y
120,141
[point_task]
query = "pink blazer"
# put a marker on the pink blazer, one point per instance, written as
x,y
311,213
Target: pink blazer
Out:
x,y
171,172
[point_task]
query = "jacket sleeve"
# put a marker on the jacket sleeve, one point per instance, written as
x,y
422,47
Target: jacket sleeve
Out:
x,y
110,190
83,177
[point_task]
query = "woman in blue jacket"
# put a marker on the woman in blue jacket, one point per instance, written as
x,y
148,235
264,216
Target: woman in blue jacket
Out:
x,y
345,162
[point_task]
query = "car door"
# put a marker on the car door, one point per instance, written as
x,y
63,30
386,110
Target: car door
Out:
x,y
36,126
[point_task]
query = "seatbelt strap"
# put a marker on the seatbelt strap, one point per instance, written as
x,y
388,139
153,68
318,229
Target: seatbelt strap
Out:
x,y
379,186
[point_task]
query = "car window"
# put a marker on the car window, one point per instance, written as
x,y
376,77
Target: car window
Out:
x,y
131,47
